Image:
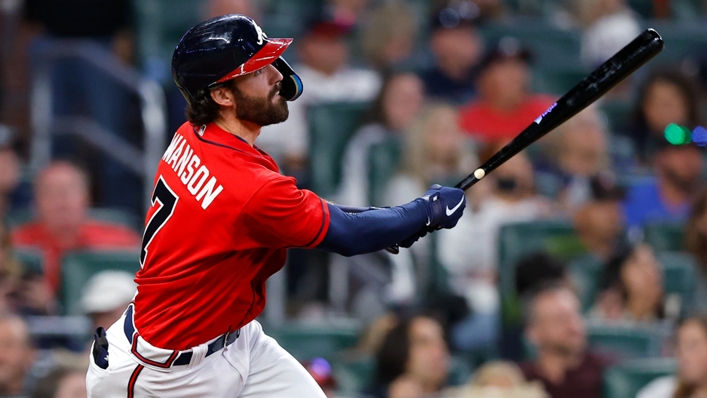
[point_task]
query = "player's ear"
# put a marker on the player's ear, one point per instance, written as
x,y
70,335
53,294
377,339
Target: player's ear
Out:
x,y
223,96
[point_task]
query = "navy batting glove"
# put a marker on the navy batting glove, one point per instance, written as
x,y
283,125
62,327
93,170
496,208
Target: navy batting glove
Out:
x,y
444,206
409,241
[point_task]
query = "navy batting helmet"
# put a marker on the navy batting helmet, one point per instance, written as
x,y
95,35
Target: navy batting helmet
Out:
x,y
226,47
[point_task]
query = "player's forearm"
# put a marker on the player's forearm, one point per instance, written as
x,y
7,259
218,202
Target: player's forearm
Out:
x,y
350,234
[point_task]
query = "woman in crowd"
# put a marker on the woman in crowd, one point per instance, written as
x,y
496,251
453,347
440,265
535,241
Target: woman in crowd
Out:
x,y
690,381
392,113
668,96
632,288
413,361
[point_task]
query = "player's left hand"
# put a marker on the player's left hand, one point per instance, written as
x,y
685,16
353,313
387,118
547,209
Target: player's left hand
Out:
x,y
414,238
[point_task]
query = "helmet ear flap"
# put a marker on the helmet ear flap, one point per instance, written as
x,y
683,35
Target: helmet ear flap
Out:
x,y
291,83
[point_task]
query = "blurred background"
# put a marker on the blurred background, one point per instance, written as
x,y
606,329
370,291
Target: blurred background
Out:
x,y
578,270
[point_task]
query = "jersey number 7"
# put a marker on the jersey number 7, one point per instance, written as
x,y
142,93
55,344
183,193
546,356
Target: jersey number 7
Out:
x,y
168,202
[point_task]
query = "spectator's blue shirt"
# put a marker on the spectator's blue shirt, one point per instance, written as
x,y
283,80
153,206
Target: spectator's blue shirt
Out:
x,y
643,204
442,87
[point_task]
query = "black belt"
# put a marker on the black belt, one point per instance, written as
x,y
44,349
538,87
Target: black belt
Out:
x,y
184,356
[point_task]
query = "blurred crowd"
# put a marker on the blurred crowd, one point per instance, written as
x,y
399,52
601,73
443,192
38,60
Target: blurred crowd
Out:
x,y
580,261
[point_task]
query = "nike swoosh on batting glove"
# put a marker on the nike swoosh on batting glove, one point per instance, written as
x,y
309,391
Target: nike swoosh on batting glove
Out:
x,y
444,206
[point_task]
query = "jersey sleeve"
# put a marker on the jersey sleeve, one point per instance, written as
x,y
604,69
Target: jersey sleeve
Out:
x,y
280,215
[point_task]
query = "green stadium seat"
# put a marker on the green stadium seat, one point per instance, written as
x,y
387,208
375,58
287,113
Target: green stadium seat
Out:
x,y
383,162
626,379
618,114
557,81
586,273
355,374
305,342
679,276
331,127
681,40
625,341
664,236
78,267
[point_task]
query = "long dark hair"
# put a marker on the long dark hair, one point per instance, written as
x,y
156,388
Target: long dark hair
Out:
x,y
393,355
688,88
683,389
611,279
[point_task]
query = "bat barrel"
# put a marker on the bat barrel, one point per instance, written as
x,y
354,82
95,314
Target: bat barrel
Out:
x,y
644,47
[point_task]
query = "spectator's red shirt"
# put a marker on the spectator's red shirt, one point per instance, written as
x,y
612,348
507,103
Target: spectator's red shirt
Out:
x,y
488,124
221,221
92,235
585,381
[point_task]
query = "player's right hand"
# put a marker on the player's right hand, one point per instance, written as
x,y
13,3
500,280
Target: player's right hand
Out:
x,y
444,206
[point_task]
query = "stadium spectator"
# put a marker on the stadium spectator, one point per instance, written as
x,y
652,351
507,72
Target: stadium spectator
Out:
x,y
632,288
667,96
499,379
390,35
599,222
11,173
62,222
413,360
62,382
690,380
696,244
324,67
668,196
398,103
10,272
504,106
610,25
456,46
347,12
16,356
106,296
564,364
573,154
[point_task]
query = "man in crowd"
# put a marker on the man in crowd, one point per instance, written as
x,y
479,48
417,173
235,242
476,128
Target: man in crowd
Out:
x,y
62,222
504,106
554,325
457,47
669,196
16,355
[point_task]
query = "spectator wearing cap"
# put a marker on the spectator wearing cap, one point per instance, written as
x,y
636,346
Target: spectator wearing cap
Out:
x,y
323,56
555,327
106,296
456,46
599,222
504,106
62,223
668,196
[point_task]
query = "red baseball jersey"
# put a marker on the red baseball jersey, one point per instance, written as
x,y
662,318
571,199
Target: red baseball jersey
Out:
x,y
222,217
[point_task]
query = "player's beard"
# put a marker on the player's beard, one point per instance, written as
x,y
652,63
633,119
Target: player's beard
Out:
x,y
262,111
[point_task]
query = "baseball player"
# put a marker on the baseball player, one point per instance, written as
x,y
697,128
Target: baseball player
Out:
x,y
221,220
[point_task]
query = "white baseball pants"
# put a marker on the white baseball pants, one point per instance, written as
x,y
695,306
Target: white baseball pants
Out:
x,y
253,366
